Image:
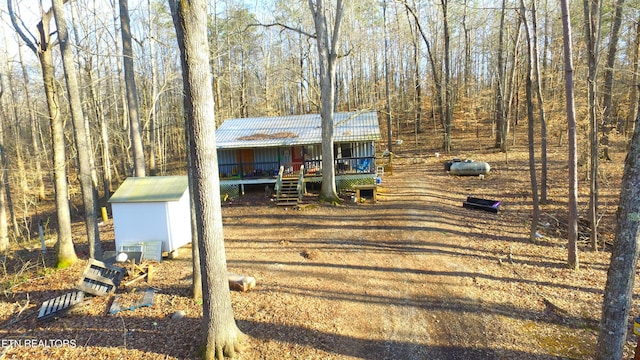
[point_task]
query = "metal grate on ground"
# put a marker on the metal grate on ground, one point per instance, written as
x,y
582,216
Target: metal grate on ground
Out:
x,y
100,279
56,306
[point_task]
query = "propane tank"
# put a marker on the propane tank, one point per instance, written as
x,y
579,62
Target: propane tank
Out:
x,y
469,168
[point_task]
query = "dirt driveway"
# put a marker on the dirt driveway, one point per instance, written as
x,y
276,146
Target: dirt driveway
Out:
x,y
394,280
415,276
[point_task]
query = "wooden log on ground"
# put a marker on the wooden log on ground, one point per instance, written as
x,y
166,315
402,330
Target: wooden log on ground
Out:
x,y
241,282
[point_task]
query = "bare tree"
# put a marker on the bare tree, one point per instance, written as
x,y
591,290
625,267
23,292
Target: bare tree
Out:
x,y
386,78
633,112
530,132
3,154
541,104
87,185
571,129
221,336
35,144
434,67
592,31
618,290
500,118
132,92
327,55
415,42
607,90
448,100
4,229
42,46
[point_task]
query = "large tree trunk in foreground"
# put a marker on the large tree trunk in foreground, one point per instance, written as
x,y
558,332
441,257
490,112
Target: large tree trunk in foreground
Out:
x,y
618,290
221,335
87,185
327,44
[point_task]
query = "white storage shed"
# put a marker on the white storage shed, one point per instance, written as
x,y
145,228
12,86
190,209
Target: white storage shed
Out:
x,y
152,209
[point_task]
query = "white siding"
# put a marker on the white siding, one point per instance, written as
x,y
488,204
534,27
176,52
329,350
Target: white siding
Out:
x,y
179,223
136,222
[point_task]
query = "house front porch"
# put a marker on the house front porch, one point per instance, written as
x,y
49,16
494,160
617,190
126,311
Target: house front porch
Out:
x,y
349,172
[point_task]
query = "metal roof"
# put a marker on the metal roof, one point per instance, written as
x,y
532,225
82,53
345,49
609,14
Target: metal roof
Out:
x,y
151,189
295,130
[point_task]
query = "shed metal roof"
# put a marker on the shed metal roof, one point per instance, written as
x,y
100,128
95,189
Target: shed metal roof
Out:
x,y
295,130
151,189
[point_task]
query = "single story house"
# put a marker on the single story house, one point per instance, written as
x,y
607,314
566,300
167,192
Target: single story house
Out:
x,y
252,150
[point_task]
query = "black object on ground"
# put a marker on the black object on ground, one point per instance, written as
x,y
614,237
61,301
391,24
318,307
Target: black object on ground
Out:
x,y
447,165
481,204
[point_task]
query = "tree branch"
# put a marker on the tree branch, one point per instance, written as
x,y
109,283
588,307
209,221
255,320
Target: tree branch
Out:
x,y
285,27
336,26
31,42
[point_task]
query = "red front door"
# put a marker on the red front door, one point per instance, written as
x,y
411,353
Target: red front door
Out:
x,y
297,158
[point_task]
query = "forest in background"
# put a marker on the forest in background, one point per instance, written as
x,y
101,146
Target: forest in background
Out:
x,y
408,60
92,93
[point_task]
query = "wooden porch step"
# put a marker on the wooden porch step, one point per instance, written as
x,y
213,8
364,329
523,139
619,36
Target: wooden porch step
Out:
x,y
288,192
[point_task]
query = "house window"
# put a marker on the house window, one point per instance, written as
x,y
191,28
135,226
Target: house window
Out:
x,y
345,149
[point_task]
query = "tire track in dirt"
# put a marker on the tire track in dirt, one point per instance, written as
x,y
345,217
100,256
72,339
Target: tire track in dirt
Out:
x,y
432,313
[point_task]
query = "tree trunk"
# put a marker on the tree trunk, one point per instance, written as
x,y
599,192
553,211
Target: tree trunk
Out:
x,y
119,56
436,76
635,101
132,92
154,96
618,290
35,145
501,136
65,251
541,107
196,284
591,23
3,155
530,133
221,335
87,184
327,57
418,81
448,101
386,79
571,126
104,136
607,120
467,50
4,229
19,158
